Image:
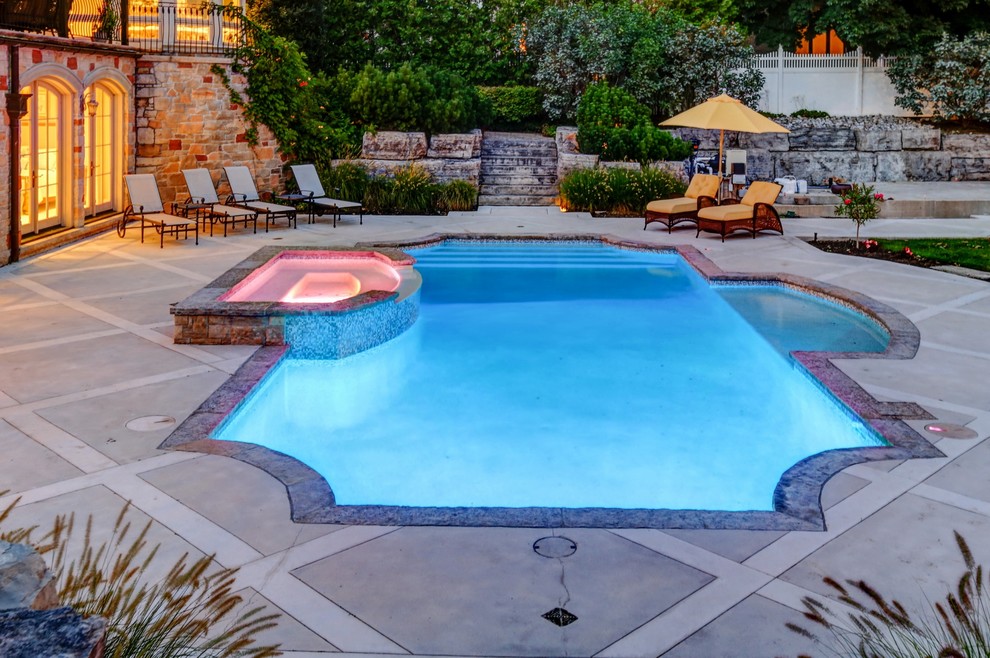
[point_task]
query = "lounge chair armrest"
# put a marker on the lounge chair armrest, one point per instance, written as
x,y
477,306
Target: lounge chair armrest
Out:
x,y
307,193
706,202
766,210
235,197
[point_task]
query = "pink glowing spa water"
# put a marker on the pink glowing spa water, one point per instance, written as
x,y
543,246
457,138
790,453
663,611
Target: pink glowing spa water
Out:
x,y
314,277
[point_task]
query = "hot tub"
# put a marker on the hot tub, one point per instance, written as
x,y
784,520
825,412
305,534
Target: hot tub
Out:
x,y
323,303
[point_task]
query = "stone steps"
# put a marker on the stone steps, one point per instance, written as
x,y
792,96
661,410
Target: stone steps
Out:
x,y
518,169
515,200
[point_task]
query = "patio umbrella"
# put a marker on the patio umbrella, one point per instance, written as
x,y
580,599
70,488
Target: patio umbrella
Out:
x,y
724,113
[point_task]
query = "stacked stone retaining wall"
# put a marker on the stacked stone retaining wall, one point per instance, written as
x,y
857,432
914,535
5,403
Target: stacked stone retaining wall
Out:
x,y
445,156
858,149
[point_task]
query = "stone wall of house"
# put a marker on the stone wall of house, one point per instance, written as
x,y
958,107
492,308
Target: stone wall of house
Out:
x,y
445,156
185,119
69,68
857,149
5,161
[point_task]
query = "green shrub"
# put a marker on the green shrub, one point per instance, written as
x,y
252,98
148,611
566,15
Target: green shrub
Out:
x,y
810,114
456,195
513,106
378,195
412,191
615,126
653,183
617,189
346,181
411,98
585,190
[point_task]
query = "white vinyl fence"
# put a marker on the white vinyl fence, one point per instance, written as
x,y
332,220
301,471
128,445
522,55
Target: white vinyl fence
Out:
x,y
842,85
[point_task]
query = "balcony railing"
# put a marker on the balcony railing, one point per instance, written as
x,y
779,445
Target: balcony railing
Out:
x,y
158,28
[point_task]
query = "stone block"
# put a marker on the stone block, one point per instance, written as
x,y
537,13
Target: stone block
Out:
x,y
24,579
877,140
566,139
445,169
897,166
970,168
632,166
393,145
965,143
568,162
764,141
820,138
61,632
921,138
760,165
817,168
456,146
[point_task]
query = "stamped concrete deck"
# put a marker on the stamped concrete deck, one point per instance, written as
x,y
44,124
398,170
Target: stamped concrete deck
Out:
x,y
89,379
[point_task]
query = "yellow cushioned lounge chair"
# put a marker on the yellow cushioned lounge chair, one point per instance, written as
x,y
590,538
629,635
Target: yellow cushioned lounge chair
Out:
x,y
754,213
700,194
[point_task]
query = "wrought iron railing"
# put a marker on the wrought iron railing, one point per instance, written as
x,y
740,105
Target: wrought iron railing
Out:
x,y
165,28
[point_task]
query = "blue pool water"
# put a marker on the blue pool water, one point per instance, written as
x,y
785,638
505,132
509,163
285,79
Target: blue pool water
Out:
x,y
567,375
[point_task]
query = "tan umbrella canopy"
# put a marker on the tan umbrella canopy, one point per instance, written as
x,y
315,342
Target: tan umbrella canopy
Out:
x,y
724,113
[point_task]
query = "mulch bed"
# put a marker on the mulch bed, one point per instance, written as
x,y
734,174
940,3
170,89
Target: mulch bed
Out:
x,y
848,247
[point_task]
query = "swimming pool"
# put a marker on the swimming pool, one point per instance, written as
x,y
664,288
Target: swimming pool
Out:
x,y
568,376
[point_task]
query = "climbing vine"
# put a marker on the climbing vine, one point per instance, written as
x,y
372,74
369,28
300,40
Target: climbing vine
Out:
x,y
303,110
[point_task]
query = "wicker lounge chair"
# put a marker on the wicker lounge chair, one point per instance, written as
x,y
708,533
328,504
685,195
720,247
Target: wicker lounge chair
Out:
x,y
311,191
146,207
201,192
754,213
244,194
700,194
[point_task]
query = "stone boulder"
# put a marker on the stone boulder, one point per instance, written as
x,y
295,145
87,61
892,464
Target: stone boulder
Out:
x,y
566,140
820,138
920,138
764,141
817,168
877,140
970,169
913,166
24,579
393,145
60,632
964,144
456,146
442,169
568,162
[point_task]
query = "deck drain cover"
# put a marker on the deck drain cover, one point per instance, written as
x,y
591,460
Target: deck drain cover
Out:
x,y
560,617
150,423
951,431
554,547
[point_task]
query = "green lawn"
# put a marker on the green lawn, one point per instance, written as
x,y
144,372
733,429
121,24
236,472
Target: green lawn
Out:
x,y
969,252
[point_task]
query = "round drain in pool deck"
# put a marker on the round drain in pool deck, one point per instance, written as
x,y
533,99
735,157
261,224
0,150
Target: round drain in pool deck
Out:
x,y
554,547
150,423
951,431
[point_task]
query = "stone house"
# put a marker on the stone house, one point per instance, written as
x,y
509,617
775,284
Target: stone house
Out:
x,y
89,99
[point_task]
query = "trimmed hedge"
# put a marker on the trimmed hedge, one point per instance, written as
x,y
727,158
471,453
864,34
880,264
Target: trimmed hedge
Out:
x,y
515,105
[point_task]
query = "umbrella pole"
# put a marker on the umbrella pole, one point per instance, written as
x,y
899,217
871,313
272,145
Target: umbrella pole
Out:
x,y
721,144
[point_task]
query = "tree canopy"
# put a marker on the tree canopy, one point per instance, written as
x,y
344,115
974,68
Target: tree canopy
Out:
x,y
881,27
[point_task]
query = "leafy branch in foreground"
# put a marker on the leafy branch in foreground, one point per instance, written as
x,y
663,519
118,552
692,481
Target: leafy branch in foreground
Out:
x,y
957,627
190,613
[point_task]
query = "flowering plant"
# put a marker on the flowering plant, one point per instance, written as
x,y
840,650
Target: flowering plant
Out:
x,y
871,245
861,204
